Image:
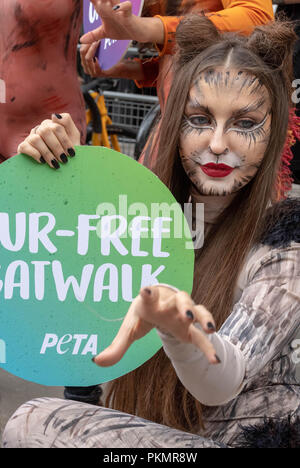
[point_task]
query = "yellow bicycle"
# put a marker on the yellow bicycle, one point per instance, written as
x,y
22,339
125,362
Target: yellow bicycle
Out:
x,y
101,130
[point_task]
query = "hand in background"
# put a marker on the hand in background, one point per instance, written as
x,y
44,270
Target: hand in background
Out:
x,y
118,22
130,69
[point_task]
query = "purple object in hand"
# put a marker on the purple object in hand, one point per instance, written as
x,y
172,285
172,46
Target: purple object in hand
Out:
x,y
110,51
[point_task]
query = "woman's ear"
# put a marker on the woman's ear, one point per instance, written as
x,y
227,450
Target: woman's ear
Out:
x,y
274,43
194,34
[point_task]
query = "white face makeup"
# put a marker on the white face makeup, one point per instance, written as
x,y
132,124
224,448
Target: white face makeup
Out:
x,y
225,131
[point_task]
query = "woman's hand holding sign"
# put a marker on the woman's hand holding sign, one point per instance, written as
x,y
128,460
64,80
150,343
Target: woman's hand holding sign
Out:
x,y
52,141
172,312
118,22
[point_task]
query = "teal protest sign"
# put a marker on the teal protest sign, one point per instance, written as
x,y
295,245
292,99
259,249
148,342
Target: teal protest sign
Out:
x,y
76,246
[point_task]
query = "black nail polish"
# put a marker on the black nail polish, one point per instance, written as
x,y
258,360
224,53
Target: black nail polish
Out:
x,y
210,326
189,314
42,160
218,359
64,158
71,152
55,164
93,359
148,291
58,116
94,59
116,7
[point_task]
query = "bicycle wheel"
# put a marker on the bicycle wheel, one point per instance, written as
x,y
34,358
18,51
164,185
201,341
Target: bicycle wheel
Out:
x,y
144,131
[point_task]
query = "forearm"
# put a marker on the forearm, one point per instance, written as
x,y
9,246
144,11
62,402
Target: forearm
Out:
x,y
211,385
131,69
147,30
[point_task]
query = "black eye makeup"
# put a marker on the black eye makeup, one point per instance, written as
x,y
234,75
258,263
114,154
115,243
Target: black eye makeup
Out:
x,y
199,120
198,123
246,124
249,129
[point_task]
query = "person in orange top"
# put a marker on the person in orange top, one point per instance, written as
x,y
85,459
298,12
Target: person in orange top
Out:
x,y
158,25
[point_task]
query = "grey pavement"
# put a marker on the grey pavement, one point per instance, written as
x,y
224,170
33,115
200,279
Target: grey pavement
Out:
x,y
15,391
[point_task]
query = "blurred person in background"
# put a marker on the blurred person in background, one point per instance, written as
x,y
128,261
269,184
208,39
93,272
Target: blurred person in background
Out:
x,y
38,72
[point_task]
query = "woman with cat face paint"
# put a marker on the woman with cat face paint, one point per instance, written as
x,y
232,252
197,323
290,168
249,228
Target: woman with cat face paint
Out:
x,y
157,25
226,360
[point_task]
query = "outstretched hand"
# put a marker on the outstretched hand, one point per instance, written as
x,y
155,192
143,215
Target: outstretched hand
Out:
x,y
118,22
172,312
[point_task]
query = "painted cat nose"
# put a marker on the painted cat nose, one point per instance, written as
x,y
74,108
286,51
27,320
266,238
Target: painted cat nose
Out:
x,y
218,151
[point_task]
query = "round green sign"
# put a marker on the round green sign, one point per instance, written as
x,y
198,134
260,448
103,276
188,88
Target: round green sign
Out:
x,y
76,246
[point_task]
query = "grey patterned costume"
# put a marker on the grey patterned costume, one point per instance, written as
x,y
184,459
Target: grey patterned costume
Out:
x,y
263,325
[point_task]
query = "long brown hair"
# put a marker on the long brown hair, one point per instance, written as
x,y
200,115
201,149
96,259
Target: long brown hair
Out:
x,y
153,391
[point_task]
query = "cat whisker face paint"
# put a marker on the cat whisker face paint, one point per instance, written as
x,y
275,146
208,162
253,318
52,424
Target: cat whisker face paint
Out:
x,y
225,130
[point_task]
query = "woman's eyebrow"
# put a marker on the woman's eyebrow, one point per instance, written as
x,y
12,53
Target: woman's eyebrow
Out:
x,y
251,107
194,104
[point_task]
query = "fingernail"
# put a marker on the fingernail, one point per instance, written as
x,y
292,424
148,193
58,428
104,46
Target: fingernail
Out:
x,y
55,164
218,359
210,326
58,116
116,7
93,359
64,158
42,160
147,290
94,59
71,152
189,314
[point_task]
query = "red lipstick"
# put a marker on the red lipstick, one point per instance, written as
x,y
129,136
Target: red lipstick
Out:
x,y
216,170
